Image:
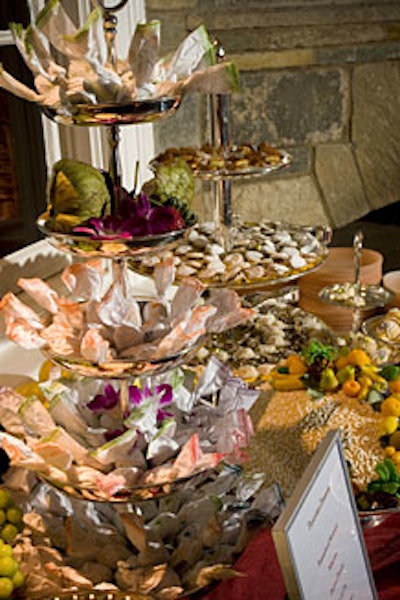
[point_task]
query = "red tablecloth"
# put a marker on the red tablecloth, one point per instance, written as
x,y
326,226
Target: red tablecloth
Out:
x,y
263,579
383,544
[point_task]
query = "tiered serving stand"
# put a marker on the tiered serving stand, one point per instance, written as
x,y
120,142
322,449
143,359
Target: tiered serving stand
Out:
x,y
112,116
119,251
222,163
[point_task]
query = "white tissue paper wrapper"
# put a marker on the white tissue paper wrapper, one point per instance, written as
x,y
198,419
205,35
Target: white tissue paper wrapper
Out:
x,y
109,439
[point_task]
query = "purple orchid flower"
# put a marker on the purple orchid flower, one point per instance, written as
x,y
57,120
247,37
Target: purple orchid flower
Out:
x,y
163,390
141,206
106,401
110,398
111,435
137,217
108,228
164,400
166,390
164,393
163,414
135,395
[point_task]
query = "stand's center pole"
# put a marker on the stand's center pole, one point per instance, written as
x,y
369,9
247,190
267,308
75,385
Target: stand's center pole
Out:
x,y
223,106
110,27
110,32
114,164
221,136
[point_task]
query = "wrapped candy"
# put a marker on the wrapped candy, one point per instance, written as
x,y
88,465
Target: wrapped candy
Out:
x,y
85,75
122,441
68,545
108,328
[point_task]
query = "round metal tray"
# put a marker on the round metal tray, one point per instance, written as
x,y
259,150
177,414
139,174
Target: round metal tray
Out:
x,y
260,284
113,113
296,327
244,284
137,493
125,368
266,283
88,246
368,296
204,171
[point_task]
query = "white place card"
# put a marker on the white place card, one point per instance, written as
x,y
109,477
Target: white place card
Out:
x,y
318,536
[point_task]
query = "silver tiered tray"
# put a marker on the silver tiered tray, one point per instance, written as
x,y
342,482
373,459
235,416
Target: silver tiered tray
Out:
x,y
146,110
232,162
255,256
125,368
136,493
87,246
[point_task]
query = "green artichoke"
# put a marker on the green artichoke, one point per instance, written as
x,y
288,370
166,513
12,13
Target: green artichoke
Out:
x,y
79,190
172,180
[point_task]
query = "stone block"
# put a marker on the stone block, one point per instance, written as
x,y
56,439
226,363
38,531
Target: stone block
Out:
x,y
376,130
185,128
364,53
309,57
279,59
263,37
340,183
161,5
292,199
294,5
290,17
271,27
293,107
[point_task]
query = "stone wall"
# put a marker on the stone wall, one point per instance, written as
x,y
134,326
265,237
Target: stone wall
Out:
x,y
320,78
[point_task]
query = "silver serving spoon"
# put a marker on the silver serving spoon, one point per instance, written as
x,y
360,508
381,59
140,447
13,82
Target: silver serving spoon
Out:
x,y
357,247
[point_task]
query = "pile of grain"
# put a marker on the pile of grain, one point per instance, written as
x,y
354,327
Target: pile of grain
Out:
x,y
290,425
